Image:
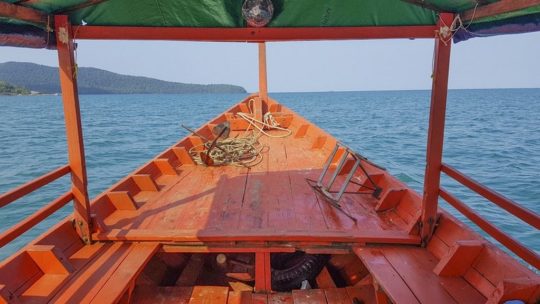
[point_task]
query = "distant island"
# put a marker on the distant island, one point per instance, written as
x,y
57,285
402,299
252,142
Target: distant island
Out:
x,y
44,79
9,89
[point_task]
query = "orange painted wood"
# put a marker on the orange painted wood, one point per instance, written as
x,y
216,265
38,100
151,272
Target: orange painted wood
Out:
x,y
500,200
415,268
49,259
22,13
33,185
183,156
72,117
437,115
390,199
519,249
5,296
145,182
139,235
337,296
253,34
523,289
191,271
259,298
388,278
93,275
23,226
165,166
209,294
161,295
364,293
263,84
239,297
263,272
126,273
319,142
280,298
301,131
497,8
122,200
459,259
324,280
308,296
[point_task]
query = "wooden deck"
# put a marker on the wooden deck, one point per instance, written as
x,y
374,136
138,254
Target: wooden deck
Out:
x,y
222,295
270,197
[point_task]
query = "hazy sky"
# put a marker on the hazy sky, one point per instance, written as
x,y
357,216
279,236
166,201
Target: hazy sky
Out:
x,y
496,62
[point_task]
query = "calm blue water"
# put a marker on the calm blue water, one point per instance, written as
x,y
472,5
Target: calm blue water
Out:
x,y
492,135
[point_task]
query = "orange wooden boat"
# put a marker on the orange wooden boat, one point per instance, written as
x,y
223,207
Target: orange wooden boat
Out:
x,y
259,205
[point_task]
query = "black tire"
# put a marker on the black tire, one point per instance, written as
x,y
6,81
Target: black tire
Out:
x,y
289,270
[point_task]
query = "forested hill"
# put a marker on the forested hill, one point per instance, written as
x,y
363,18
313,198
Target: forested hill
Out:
x,y
44,79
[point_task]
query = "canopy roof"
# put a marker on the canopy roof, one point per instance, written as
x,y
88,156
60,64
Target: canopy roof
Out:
x,y
480,17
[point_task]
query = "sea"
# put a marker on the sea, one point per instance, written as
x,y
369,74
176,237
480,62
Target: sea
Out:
x,y
491,135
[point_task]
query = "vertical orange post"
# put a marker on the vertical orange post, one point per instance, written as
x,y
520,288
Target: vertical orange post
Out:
x,y
263,84
436,126
72,116
263,272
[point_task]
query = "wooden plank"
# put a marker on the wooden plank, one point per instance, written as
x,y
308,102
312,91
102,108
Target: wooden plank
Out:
x,y
337,296
162,295
165,166
259,298
49,259
125,275
459,259
122,200
183,156
145,182
390,199
239,297
263,273
364,294
253,34
72,118
32,185
324,280
191,271
262,235
389,279
280,298
415,266
308,296
209,294
93,275
437,115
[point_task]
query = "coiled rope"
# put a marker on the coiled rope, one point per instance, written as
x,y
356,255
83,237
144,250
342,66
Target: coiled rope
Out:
x,y
244,151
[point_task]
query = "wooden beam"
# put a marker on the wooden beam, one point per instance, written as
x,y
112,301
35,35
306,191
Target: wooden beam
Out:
x,y
526,215
31,186
437,117
253,34
528,255
262,235
497,8
72,116
22,13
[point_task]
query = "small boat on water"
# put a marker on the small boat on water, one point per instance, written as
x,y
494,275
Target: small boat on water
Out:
x,y
260,205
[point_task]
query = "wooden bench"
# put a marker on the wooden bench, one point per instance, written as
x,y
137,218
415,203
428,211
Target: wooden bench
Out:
x,y
406,275
97,273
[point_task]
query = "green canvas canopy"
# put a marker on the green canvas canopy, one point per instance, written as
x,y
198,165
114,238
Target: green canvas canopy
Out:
x,y
506,17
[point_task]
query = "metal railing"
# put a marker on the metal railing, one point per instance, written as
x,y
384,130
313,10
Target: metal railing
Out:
x,y
500,200
15,194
